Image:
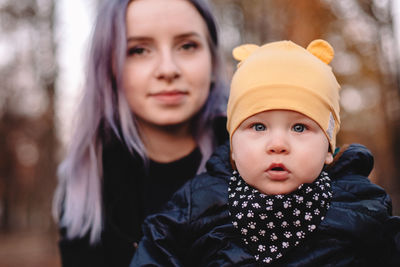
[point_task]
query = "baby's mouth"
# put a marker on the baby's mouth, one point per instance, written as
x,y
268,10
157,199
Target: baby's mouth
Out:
x,y
277,172
277,167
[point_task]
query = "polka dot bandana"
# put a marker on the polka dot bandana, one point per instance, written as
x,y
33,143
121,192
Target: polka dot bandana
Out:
x,y
271,225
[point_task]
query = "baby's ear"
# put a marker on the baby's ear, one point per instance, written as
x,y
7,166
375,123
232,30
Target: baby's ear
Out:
x,y
322,50
240,53
329,158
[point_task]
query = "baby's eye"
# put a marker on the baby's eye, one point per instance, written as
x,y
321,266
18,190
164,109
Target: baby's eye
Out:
x,y
299,128
259,127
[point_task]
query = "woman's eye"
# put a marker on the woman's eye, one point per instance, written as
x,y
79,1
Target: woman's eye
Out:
x,y
136,51
189,46
259,127
299,128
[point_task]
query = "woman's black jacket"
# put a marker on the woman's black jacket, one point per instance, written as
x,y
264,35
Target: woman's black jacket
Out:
x,y
195,229
126,196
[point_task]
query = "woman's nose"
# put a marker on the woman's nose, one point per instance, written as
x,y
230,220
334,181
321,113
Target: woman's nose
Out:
x,y
167,68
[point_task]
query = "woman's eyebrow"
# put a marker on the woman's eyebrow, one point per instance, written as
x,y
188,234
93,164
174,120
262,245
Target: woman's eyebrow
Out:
x,y
138,38
145,38
186,35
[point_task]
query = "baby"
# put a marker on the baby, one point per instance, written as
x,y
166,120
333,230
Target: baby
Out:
x,y
275,195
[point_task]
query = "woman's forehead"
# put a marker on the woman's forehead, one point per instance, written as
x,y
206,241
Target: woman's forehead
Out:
x,y
178,16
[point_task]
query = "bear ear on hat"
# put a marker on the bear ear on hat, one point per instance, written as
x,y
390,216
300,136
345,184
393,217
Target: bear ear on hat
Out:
x,y
241,52
322,50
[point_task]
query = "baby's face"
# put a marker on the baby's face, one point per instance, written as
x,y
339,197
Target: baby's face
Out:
x,y
276,151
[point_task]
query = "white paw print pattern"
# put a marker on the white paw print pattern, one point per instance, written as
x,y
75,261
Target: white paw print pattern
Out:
x,y
287,204
273,248
279,215
261,248
300,234
308,216
312,227
267,260
254,238
299,199
287,234
263,216
274,237
244,204
250,214
296,212
284,224
252,225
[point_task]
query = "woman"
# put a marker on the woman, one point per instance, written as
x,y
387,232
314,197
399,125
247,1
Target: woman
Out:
x,y
148,121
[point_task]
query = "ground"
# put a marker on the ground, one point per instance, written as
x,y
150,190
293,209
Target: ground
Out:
x,y
29,249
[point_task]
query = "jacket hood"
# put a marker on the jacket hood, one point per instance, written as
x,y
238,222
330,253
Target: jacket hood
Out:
x,y
351,159
219,163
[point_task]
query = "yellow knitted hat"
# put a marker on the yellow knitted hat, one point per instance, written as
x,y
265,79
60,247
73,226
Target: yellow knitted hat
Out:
x,y
284,75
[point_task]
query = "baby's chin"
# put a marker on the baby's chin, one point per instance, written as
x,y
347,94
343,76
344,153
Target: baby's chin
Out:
x,y
271,191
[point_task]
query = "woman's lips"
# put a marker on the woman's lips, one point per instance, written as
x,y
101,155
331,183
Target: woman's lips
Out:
x,y
277,172
173,97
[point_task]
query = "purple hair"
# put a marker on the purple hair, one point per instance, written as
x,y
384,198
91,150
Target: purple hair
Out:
x,y
104,109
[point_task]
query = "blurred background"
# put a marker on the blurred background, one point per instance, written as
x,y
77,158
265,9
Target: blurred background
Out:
x,y
43,48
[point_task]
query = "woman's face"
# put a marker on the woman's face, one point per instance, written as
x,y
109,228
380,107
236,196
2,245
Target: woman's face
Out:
x,y
167,72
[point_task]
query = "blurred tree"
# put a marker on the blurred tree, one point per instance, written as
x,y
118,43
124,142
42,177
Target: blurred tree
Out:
x,y
28,142
366,63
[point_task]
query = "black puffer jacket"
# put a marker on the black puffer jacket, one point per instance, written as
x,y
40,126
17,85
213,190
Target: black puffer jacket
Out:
x,y
195,229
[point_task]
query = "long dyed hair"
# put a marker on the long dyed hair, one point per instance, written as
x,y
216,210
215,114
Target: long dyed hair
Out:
x,y
104,108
